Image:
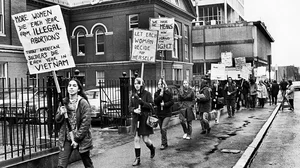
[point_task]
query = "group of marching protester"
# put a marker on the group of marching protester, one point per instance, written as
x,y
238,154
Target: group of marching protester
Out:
x,y
203,102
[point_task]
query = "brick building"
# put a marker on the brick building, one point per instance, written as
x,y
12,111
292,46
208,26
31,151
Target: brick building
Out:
x,y
100,37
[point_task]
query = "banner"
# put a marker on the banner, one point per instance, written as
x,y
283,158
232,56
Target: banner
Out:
x,y
144,44
43,36
165,27
261,71
218,72
226,58
233,73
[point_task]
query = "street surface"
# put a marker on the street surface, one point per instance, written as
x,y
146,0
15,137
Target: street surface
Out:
x,y
281,145
231,135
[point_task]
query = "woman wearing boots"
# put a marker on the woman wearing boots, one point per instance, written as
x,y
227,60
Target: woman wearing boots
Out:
x,y
186,97
140,107
163,99
204,104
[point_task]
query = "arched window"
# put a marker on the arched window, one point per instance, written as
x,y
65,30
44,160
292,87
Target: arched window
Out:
x,y
176,42
80,43
99,40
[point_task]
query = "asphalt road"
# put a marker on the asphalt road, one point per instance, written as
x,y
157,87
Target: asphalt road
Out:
x,y
281,145
221,148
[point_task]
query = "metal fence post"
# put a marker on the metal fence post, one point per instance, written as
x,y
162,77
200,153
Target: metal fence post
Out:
x,y
124,93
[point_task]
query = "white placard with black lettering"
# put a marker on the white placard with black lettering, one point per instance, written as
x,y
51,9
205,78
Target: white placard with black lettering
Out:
x,y
43,36
226,58
165,27
218,72
144,44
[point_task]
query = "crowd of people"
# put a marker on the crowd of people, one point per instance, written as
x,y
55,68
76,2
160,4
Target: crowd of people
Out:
x,y
75,112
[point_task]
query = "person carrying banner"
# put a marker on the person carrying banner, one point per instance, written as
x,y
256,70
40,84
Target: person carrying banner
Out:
x,y
140,106
186,97
78,109
230,90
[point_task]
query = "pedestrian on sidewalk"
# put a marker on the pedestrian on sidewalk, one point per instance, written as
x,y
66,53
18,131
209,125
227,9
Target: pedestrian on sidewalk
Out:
x,y
163,100
290,94
274,91
204,105
230,90
78,110
140,106
246,93
186,97
262,93
253,93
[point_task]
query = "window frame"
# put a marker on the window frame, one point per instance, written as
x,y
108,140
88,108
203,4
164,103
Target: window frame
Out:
x,y
79,35
186,51
4,72
2,17
175,51
135,23
96,41
101,79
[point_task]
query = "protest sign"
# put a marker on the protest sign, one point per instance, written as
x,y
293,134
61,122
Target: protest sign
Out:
x,y
144,44
261,71
226,58
43,36
218,72
165,27
233,73
240,62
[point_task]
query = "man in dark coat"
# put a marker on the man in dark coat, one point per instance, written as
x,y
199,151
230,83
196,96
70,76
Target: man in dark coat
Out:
x,y
274,91
230,92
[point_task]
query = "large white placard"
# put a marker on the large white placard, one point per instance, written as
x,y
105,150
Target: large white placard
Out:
x,y
165,27
218,72
144,44
43,36
240,62
226,58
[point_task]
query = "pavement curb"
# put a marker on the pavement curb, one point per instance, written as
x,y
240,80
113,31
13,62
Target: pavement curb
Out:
x,y
246,158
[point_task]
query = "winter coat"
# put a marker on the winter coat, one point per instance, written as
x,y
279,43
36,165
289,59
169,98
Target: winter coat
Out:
x,y
230,87
262,91
168,102
82,133
274,89
187,98
204,99
253,89
217,101
146,106
290,92
283,85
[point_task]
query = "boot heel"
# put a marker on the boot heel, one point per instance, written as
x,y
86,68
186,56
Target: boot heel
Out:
x,y
136,162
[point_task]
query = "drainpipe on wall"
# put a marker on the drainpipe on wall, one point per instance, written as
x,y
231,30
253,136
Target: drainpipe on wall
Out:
x,y
225,11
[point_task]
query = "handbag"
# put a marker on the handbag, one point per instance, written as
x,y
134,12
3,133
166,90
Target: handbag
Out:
x,y
151,120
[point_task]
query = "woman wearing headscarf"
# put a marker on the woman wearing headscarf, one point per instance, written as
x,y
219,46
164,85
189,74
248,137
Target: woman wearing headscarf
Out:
x,y
186,97
262,93
204,105
163,99
140,106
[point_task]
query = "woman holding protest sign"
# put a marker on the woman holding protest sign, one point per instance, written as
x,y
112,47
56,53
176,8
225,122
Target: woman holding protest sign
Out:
x,y
77,110
140,106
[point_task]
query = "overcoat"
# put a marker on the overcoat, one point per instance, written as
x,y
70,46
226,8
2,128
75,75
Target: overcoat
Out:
x,y
187,99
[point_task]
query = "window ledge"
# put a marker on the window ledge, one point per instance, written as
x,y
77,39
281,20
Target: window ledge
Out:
x,y
2,35
100,53
80,54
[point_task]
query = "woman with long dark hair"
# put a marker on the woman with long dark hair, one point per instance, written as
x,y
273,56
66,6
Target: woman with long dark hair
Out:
x,y
140,106
78,111
163,99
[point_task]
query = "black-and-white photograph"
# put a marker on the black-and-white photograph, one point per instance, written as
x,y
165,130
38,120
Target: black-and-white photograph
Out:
x,y
149,83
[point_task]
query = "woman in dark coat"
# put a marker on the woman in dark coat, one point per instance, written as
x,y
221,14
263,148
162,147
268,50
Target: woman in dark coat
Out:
x,y
78,111
187,97
140,106
163,99
204,104
274,91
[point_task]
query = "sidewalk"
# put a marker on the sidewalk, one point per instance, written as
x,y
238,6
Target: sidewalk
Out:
x,y
214,150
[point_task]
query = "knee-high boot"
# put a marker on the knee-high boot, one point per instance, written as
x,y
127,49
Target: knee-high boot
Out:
x,y
152,150
137,160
